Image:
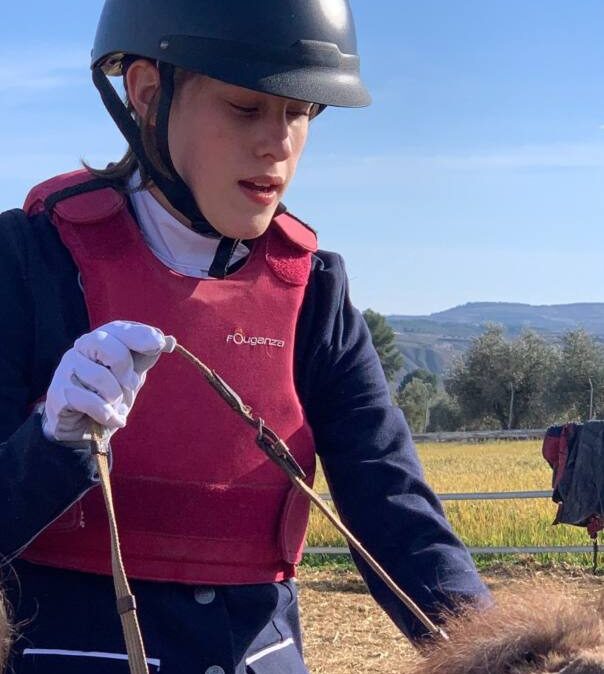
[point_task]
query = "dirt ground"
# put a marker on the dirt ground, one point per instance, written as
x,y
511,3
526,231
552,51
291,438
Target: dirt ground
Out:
x,y
345,632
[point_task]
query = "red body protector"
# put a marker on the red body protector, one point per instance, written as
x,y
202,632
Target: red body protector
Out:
x,y
196,499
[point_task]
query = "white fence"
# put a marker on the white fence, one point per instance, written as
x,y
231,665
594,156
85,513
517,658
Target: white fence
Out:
x,y
481,496
480,436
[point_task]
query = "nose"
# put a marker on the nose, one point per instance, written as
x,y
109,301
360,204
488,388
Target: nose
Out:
x,y
274,138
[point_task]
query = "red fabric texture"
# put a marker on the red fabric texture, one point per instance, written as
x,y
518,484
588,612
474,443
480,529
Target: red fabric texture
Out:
x,y
555,451
595,525
196,499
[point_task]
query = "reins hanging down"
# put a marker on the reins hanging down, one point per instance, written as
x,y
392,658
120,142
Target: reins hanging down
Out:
x,y
278,452
126,603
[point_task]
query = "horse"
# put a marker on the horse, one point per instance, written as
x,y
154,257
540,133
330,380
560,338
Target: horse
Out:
x,y
535,629
6,634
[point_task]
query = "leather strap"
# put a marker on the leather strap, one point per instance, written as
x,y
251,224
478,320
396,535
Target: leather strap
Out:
x,y
126,603
278,452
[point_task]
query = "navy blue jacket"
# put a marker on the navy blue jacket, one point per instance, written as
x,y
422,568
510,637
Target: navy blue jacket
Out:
x,y
362,440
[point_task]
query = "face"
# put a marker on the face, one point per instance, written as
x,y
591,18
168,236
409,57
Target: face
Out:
x,y
237,150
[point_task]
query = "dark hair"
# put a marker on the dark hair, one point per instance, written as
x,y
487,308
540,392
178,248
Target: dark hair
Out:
x,y
121,171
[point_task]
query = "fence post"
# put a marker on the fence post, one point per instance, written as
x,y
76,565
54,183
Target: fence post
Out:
x,y
591,399
511,406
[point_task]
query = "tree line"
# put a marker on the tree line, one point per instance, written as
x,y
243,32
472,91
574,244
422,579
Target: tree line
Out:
x,y
499,383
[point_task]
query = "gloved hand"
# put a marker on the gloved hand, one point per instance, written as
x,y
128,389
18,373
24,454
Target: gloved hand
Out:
x,y
98,379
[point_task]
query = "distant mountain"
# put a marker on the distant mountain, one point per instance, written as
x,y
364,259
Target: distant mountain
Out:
x,y
432,342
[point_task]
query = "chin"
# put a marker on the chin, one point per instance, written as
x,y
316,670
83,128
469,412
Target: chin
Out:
x,y
252,229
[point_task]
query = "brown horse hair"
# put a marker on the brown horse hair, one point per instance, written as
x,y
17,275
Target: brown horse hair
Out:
x,y
532,630
6,634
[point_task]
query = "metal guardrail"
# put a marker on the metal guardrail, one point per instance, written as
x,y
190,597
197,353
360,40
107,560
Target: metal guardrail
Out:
x,y
535,550
481,436
487,495
481,496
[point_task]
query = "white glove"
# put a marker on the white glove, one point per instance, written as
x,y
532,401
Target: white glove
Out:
x,y
98,379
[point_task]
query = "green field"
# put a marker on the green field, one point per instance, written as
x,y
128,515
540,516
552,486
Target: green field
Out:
x,y
481,467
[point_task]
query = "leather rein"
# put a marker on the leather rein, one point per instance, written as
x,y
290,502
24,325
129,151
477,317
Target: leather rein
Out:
x,y
279,453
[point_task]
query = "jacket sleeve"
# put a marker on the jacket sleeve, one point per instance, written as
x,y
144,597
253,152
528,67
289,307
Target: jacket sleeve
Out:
x,y
369,459
38,479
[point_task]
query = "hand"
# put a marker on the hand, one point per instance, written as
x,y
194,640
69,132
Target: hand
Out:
x,y
99,377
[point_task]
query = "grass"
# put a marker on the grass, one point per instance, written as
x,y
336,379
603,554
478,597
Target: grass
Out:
x,y
495,466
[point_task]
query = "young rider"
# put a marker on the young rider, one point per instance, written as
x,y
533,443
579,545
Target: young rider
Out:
x,y
187,234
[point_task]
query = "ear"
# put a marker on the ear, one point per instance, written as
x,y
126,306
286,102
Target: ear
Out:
x,y
588,662
142,83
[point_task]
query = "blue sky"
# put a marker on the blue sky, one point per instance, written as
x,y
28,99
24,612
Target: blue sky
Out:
x,y
477,174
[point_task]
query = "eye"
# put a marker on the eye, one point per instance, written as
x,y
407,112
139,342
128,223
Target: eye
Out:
x,y
243,110
295,113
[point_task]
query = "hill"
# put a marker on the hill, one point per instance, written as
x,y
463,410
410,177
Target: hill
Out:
x,y
432,342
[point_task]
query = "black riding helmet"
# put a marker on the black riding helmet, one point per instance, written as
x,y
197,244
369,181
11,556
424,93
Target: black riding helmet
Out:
x,y
300,49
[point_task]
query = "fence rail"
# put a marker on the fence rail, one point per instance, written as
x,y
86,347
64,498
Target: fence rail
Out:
x,y
481,436
528,550
481,496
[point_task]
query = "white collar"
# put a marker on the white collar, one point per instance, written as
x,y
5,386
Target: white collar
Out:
x,y
174,244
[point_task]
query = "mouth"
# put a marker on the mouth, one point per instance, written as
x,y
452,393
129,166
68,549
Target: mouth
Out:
x,y
262,189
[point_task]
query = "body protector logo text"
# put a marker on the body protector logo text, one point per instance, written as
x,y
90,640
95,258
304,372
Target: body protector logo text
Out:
x,y
239,339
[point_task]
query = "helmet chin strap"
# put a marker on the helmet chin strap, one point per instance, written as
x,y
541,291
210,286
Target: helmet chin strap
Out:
x,y
173,188
162,129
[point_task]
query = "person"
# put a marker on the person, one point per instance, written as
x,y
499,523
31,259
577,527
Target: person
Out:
x,y
187,236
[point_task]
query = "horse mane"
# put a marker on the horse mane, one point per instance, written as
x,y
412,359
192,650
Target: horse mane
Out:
x,y
6,633
533,630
